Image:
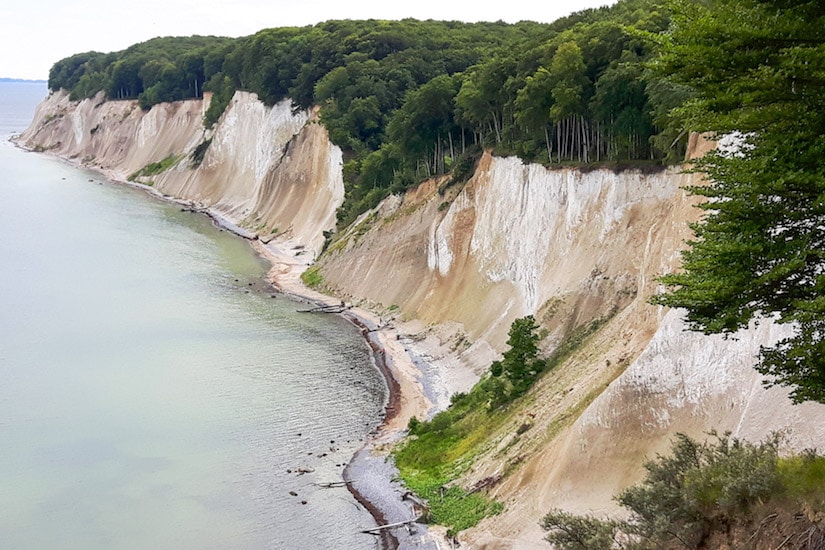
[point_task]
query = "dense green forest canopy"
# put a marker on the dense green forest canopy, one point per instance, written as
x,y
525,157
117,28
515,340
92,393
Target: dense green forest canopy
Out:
x,y
412,99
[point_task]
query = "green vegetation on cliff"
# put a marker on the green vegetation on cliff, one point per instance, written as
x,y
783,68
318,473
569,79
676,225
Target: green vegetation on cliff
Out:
x,y
440,450
724,493
155,168
156,71
411,99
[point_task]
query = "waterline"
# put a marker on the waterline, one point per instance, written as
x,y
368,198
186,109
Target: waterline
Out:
x,y
151,396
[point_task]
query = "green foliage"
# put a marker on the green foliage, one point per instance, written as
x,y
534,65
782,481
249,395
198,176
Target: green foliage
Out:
x,y
155,71
567,71
450,506
683,493
803,477
735,476
441,443
515,373
757,68
155,168
439,450
578,94
222,91
410,99
572,532
697,490
442,446
312,277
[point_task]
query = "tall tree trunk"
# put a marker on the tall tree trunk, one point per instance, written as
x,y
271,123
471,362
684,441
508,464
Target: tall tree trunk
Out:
x,y
496,126
547,143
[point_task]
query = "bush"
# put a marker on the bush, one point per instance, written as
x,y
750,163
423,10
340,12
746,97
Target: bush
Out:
x,y
697,492
571,532
735,475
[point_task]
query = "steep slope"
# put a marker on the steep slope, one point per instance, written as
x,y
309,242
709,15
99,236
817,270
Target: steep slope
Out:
x,y
577,250
266,169
567,246
682,382
113,135
451,265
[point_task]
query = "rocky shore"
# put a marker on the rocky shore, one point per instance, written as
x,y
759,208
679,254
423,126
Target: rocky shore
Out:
x,y
370,475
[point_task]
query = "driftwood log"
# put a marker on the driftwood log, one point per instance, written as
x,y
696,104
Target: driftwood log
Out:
x,y
377,530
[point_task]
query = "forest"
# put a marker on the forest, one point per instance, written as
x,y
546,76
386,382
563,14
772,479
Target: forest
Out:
x,y
409,99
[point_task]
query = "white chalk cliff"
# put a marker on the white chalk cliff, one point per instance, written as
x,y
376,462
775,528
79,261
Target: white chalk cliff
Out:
x,y
455,264
267,169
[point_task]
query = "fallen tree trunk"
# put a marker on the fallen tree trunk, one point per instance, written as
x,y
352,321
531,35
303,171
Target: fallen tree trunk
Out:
x,y
376,530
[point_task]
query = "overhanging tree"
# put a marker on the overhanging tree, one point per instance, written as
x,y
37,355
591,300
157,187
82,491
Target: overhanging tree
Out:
x,y
758,67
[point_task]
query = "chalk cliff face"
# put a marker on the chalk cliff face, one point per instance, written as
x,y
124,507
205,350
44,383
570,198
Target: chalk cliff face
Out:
x,y
267,169
517,239
454,264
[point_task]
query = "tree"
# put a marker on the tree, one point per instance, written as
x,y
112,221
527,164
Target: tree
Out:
x,y
758,70
424,127
571,532
519,365
569,100
620,106
532,107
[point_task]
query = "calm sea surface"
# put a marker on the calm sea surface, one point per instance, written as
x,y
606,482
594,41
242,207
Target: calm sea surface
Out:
x,y
152,394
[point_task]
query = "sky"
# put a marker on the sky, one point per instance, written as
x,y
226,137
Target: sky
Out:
x,y
36,33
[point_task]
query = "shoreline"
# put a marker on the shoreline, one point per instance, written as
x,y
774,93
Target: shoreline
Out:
x,y
368,475
407,395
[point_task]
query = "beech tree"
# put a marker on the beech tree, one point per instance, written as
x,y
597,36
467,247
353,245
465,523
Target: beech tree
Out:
x,y
758,68
568,71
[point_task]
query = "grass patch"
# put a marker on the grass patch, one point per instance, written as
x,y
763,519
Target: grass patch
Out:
x,y
803,477
312,277
440,450
353,234
451,505
155,168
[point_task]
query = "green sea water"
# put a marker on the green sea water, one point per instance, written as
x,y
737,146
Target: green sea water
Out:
x,y
153,393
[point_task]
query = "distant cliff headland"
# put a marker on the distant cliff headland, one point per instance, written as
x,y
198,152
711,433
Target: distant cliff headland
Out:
x,y
23,80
